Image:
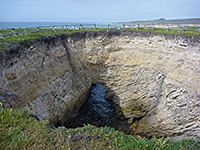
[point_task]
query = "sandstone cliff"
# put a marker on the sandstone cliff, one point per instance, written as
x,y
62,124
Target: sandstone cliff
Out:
x,y
153,80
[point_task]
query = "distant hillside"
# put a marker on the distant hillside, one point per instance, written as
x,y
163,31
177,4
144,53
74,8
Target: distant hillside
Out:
x,y
175,21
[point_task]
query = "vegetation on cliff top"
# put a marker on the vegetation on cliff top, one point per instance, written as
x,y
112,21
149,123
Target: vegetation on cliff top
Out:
x,y
25,40
18,130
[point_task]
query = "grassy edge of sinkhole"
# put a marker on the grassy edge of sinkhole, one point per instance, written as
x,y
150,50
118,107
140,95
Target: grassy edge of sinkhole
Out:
x,y
26,40
19,130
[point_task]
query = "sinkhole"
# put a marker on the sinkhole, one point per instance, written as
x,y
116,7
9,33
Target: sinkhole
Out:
x,y
99,112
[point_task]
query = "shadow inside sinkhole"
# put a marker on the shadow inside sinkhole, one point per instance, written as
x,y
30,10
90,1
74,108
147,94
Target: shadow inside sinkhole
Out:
x,y
98,112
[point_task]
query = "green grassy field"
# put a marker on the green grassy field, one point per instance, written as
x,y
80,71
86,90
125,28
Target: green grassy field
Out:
x,y
169,32
26,39
18,130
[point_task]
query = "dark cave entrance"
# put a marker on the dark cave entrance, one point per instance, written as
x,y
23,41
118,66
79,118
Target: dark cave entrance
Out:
x,y
98,112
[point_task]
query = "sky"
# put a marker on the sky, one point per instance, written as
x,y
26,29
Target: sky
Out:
x,y
96,10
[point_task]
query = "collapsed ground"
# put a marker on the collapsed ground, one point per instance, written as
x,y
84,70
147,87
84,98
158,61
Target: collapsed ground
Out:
x,y
109,66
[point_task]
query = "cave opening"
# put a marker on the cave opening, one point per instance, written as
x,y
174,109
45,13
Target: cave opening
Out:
x,y
99,112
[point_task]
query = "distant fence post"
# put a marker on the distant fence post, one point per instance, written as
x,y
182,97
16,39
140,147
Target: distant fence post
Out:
x,y
185,28
138,26
66,28
168,28
108,27
25,31
94,26
54,28
80,27
74,28
1,36
154,26
38,29
13,32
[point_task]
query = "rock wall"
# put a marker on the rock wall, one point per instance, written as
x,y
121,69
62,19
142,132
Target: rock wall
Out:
x,y
153,80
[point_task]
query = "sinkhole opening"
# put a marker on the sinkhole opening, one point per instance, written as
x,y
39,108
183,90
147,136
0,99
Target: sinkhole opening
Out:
x,y
99,112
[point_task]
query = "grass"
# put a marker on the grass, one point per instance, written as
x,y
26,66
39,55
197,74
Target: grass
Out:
x,y
169,32
27,39
18,130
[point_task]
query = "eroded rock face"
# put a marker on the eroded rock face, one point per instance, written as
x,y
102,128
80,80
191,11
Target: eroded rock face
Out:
x,y
153,80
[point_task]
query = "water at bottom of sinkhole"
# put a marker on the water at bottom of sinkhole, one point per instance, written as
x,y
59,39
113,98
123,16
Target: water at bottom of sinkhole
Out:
x,y
98,112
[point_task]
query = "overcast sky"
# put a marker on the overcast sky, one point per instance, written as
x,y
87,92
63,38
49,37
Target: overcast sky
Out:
x,y
97,10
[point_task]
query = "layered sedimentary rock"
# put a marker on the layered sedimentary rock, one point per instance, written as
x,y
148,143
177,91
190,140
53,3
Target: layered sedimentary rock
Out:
x,y
153,80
